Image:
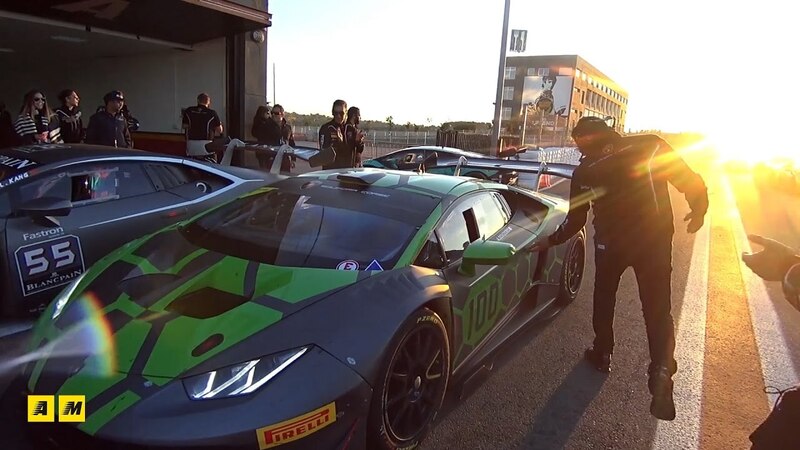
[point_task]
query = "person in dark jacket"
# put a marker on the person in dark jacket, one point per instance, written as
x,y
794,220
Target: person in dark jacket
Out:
x,y
354,136
109,127
260,124
625,181
331,136
274,131
69,116
7,135
778,262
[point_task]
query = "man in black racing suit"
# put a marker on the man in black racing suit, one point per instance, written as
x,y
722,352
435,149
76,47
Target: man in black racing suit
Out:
x,y
624,180
331,137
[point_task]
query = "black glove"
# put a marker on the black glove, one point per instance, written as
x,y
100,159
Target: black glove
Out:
x,y
773,262
696,221
539,244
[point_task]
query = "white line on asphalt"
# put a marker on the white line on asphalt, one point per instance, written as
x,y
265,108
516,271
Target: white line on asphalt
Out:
x,y
690,342
776,362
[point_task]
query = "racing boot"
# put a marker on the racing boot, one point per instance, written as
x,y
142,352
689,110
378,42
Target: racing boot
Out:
x,y
599,360
660,384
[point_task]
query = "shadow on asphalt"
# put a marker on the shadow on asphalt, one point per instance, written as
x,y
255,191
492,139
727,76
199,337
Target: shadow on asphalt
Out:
x,y
560,416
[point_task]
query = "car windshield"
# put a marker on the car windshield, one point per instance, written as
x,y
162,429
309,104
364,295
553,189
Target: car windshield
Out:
x,y
320,224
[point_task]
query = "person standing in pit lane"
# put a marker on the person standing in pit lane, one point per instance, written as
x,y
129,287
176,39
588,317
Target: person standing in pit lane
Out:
x,y
354,136
69,116
331,139
625,181
34,125
201,124
108,126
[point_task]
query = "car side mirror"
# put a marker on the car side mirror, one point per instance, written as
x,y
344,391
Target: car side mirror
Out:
x,y
46,206
43,209
484,252
791,286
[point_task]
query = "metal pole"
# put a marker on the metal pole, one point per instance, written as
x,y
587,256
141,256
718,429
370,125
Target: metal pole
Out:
x,y
541,127
274,98
498,103
524,124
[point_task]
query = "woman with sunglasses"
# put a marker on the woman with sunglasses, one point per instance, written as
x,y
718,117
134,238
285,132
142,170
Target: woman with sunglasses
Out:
x,y
33,124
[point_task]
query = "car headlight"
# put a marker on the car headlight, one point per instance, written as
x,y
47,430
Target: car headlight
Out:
x,y
63,298
240,379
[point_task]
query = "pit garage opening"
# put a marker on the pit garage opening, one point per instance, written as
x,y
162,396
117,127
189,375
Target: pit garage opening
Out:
x,y
160,53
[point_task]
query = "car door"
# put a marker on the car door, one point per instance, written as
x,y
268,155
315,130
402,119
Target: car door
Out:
x,y
113,202
479,301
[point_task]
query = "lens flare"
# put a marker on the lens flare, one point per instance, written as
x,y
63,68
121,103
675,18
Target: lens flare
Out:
x,y
86,332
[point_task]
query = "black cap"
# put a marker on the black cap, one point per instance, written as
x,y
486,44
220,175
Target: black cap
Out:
x,y
590,125
114,95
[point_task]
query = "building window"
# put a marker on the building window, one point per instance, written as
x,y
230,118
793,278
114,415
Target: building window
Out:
x,y
578,73
531,71
505,114
511,73
583,98
543,71
508,93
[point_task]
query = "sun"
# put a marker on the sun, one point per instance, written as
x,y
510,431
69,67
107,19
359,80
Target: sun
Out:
x,y
751,148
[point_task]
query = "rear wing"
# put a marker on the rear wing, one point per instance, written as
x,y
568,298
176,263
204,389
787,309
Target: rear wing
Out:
x,y
538,168
253,150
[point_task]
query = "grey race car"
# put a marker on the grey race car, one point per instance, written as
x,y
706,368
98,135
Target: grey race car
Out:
x,y
62,207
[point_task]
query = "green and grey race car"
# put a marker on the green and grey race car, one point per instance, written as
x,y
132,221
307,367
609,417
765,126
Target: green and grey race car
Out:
x,y
329,310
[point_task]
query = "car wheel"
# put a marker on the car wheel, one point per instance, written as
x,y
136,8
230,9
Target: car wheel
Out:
x,y
572,271
412,384
477,175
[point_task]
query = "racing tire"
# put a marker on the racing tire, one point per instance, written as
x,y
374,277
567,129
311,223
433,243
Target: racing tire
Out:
x,y
477,175
412,383
572,271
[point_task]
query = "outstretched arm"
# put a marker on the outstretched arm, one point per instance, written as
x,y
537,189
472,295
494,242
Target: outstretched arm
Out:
x,y
687,181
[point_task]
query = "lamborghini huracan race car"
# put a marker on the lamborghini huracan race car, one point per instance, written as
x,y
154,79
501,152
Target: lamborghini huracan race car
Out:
x,y
329,310
63,207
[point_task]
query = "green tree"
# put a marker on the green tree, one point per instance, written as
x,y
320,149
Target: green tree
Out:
x,y
390,121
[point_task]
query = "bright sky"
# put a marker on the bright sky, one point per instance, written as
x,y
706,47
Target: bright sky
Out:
x,y
688,65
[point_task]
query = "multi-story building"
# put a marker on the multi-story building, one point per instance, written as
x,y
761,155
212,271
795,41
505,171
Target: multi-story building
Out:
x,y
544,96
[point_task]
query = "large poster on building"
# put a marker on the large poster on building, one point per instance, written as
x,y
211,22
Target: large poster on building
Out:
x,y
548,93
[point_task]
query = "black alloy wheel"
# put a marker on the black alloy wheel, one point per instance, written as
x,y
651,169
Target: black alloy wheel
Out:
x,y
414,383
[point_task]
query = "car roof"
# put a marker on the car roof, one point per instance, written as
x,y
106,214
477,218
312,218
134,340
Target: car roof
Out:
x,y
46,154
424,183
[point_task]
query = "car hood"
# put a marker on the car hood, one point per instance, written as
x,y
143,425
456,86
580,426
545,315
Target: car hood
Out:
x,y
164,306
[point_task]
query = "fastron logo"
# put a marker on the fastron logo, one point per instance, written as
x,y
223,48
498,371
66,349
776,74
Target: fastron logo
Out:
x,y
43,233
297,428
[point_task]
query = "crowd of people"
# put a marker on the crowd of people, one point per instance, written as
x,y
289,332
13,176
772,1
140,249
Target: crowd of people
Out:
x,y
38,123
341,141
